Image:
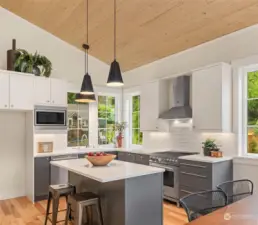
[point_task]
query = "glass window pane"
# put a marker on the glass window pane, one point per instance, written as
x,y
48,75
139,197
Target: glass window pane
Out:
x,y
110,136
83,137
102,137
72,138
136,103
135,120
102,102
253,112
140,138
102,115
253,84
110,118
135,136
252,140
72,121
111,102
102,123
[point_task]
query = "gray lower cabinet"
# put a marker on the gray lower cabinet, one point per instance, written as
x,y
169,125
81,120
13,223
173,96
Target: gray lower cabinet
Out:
x,y
41,177
134,158
142,159
195,176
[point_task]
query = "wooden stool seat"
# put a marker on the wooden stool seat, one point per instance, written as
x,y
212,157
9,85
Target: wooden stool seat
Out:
x,y
55,192
78,202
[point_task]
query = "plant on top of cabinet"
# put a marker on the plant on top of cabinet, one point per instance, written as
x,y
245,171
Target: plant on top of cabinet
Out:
x,y
119,127
208,146
37,64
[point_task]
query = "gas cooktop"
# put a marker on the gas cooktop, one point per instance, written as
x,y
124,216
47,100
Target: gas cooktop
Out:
x,y
169,158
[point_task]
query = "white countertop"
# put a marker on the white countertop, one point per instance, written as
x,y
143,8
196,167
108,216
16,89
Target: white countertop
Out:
x,y
116,170
99,149
208,159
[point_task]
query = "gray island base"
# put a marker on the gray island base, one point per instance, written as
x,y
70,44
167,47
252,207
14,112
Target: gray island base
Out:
x,y
132,201
130,193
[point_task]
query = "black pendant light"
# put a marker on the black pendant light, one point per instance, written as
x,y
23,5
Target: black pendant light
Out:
x,y
115,77
87,92
85,98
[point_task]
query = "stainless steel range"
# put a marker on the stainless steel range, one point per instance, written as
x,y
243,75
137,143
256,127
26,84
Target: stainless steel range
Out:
x,y
169,161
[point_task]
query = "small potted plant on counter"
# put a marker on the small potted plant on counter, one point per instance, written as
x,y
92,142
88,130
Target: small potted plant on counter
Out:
x,y
119,128
210,148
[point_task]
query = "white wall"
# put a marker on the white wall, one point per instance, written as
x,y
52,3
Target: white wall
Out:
x,y
67,61
236,45
12,154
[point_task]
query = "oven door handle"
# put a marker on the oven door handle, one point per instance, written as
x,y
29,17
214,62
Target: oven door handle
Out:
x,y
162,167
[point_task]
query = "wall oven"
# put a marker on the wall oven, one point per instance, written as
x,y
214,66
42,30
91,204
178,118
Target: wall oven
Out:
x,y
50,118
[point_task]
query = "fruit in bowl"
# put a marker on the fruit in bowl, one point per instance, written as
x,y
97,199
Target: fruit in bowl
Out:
x,y
100,158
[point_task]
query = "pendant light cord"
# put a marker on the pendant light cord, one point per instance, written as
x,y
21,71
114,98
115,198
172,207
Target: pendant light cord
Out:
x,y
87,36
115,29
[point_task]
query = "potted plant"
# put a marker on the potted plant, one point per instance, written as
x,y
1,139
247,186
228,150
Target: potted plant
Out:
x,y
119,128
29,63
209,146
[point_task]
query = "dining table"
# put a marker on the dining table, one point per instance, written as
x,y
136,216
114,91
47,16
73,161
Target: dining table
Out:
x,y
242,212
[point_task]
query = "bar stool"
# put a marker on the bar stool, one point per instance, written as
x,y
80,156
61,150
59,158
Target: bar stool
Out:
x,y
76,205
55,192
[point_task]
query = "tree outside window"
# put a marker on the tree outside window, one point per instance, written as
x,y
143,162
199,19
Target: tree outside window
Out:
x,y
77,122
252,112
106,119
136,134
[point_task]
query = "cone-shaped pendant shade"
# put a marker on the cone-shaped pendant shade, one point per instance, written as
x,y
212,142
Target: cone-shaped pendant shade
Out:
x,y
115,77
85,98
87,87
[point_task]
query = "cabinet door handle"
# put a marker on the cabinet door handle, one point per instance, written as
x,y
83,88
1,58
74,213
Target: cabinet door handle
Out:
x,y
192,165
5,105
11,105
193,174
47,100
53,101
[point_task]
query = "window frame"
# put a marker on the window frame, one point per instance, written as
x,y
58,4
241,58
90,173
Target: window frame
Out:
x,y
131,121
116,112
244,117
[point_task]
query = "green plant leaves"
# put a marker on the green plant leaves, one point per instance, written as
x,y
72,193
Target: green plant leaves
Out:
x,y
25,62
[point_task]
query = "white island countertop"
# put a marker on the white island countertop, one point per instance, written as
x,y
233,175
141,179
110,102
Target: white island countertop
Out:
x,y
116,170
207,159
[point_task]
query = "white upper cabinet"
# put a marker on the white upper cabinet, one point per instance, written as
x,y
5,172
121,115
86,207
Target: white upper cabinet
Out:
x,y
42,90
21,91
212,98
154,100
4,90
58,91
50,91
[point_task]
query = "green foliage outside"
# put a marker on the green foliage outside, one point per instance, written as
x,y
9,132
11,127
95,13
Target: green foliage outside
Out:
x,y
136,134
253,112
106,115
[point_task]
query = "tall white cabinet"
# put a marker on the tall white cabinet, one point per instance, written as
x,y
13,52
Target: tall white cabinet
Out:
x,y
154,101
212,98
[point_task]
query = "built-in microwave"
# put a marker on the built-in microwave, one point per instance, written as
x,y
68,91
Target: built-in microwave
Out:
x,y
50,118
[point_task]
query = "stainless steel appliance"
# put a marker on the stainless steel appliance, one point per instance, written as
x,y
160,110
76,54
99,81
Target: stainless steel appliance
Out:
x,y
57,174
169,161
50,117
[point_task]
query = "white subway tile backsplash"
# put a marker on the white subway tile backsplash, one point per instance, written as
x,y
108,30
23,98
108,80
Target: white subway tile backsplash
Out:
x,y
184,139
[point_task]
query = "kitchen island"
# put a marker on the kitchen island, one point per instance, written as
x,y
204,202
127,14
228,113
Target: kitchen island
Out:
x,y
131,194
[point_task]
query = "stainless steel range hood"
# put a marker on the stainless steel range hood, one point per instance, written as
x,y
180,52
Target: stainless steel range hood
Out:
x,y
181,100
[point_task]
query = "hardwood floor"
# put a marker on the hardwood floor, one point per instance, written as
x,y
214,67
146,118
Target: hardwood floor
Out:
x,y
20,211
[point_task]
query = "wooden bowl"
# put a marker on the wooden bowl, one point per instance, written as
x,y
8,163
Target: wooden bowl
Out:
x,y
101,160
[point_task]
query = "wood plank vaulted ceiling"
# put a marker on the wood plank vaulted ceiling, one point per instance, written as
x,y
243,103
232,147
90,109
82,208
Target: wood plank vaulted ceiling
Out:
x,y
148,30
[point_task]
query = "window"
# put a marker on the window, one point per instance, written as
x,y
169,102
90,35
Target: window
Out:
x,y
136,134
252,112
106,119
77,122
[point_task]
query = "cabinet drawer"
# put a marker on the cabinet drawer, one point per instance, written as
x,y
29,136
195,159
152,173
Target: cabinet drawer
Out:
x,y
194,180
199,168
130,157
184,190
142,159
122,156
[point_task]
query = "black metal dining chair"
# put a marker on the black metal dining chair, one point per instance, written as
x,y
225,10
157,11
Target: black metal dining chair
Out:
x,y
202,203
237,189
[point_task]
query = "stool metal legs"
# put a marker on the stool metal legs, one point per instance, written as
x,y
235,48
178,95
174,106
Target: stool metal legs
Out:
x,y
48,207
